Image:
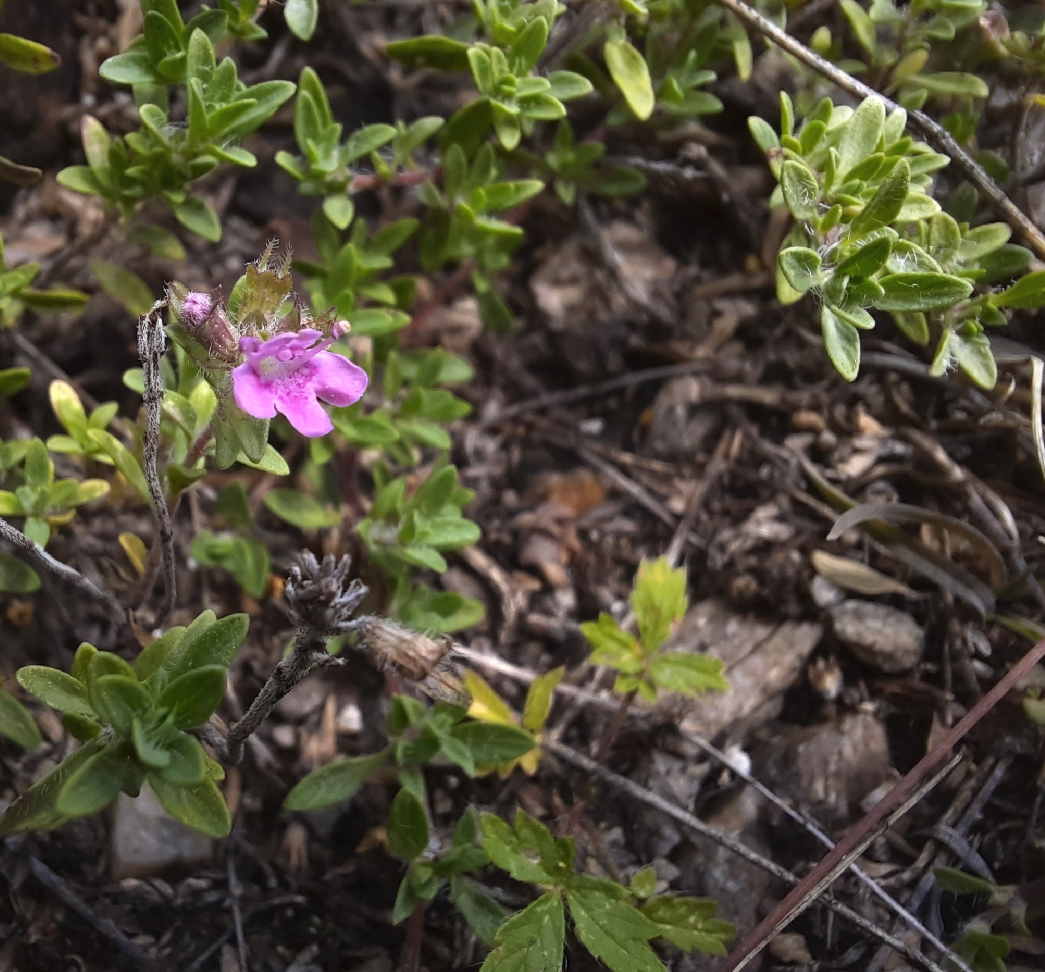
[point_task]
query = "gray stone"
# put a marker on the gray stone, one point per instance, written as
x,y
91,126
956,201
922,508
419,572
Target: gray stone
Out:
x,y
829,768
146,840
879,635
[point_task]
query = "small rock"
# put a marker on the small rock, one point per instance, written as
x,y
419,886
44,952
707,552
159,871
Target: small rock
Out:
x,y
284,736
831,767
146,839
879,635
824,593
303,699
349,719
791,949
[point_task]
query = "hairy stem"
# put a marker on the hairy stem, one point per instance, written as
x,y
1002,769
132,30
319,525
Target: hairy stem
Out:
x,y
62,571
309,652
151,345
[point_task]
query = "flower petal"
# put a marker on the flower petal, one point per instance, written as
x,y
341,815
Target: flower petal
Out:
x,y
296,399
253,396
337,380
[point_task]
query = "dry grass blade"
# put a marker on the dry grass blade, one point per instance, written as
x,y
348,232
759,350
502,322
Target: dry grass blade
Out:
x,y
937,568
905,513
1037,369
852,575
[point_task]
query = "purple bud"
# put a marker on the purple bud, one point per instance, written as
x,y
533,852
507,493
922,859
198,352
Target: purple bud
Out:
x,y
195,309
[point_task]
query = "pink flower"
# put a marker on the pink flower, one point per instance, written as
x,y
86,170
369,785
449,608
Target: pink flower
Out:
x,y
289,373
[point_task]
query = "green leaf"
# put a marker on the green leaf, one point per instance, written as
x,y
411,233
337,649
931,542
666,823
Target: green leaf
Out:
x,y
96,782
921,291
971,349
532,940
146,748
959,882
687,672
862,26
867,260
630,73
689,923
613,645
801,190
300,509
271,461
841,341
885,205
17,723
118,699
13,380
339,210
123,284
407,826
539,698
36,809
1028,292
211,643
27,56
527,850
16,576
953,83
614,931
482,914
860,134
152,656
55,688
334,782
188,764
198,216
432,50
122,459
162,242
302,17
490,743
192,697
201,807
659,601
800,266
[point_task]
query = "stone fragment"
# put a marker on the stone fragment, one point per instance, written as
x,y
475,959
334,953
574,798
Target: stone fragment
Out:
x,y
880,636
146,840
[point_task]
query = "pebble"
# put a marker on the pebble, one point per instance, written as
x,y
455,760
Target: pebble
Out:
x,y
147,840
880,636
824,593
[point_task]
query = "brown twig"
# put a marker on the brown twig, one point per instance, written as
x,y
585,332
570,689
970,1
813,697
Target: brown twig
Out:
x,y
860,835
933,133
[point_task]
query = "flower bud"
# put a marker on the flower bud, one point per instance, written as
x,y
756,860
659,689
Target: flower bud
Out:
x,y
195,309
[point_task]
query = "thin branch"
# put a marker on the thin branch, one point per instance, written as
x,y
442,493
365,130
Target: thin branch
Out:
x,y
935,134
133,956
857,837
151,345
321,602
694,823
62,571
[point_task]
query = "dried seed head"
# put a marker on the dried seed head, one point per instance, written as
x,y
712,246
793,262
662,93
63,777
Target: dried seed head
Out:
x,y
320,595
408,653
